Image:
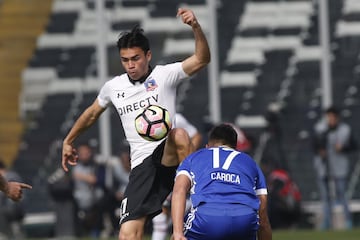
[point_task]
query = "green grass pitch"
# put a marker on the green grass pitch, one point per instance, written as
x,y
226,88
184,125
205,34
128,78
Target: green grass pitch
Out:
x,y
353,234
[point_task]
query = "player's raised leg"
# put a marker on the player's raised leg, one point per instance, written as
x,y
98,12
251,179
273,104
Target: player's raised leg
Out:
x,y
178,146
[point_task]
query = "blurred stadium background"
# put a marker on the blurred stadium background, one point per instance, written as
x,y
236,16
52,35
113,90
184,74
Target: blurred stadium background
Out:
x,y
269,58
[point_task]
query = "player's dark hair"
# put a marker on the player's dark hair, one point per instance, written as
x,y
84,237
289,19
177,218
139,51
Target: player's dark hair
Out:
x,y
134,38
225,134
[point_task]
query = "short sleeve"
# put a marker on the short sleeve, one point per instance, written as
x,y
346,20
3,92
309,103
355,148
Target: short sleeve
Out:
x,y
176,73
104,96
184,168
261,188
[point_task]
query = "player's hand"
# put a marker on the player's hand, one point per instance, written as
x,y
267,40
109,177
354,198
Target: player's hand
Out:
x,y
14,190
179,236
69,156
187,16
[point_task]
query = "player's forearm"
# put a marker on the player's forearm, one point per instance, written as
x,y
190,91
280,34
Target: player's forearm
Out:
x,y
264,232
177,211
177,225
86,120
201,56
202,50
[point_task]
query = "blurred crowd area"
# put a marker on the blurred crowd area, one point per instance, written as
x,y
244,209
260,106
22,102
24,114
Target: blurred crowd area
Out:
x,y
84,202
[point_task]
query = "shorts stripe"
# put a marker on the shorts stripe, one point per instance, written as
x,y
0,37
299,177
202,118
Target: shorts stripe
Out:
x,y
189,220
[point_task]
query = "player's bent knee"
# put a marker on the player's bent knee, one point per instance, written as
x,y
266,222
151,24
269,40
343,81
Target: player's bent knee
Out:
x,y
179,137
126,235
130,232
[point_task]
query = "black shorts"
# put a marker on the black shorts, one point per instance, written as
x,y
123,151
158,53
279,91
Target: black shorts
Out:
x,y
149,185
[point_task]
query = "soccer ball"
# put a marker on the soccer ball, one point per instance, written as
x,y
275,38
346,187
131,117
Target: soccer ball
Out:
x,y
153,123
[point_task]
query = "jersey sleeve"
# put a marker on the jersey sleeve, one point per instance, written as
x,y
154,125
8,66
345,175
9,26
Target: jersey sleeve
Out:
x,y
104,96
261,188
176,73
184,168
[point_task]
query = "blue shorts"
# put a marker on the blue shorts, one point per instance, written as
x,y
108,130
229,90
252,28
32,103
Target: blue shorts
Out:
x,y
221,222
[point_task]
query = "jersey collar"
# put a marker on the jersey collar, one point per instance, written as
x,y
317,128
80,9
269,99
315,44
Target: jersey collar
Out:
x,y
142,79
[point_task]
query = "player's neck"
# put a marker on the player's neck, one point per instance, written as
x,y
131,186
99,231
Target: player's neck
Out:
x,y
142,79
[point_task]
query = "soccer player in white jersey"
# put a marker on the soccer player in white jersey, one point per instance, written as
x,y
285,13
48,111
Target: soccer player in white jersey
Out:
x,y
153,164
227,190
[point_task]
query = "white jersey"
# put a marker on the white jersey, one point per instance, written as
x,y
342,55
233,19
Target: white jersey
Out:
x,y
130,99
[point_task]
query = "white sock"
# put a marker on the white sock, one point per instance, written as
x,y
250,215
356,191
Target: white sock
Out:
x,y
160,227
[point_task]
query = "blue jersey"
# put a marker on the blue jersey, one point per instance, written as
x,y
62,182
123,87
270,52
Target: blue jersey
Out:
x,y
223,175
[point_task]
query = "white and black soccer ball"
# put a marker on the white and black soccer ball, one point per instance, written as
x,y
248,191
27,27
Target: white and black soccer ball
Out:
x,y
153,123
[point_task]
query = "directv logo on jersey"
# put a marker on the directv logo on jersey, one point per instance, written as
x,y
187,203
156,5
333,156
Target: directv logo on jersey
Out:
x,y
138,105
225,177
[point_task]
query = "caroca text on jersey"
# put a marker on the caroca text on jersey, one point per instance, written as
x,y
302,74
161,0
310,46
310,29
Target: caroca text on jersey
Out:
x,y
225,177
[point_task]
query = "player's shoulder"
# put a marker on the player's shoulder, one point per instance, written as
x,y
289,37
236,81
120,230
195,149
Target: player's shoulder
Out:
x,y
121,77
199,153
113,80
118,81
245,157
167,67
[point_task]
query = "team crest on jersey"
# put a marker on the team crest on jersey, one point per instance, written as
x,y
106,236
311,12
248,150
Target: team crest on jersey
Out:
x,y
150,84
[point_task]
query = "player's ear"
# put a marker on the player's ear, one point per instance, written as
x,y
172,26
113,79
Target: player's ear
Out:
x,y
148,56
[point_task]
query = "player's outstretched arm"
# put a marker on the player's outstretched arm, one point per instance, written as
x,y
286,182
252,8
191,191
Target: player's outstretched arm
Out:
x,y
13,190
264,232
178,201
201,56
86,119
